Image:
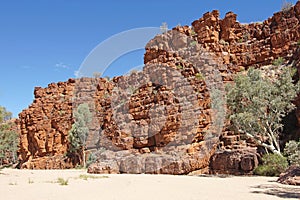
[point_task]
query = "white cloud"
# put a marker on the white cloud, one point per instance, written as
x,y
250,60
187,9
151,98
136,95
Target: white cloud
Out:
x,y
62,66
25,67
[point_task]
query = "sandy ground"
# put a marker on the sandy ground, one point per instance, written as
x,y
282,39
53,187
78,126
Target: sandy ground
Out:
x,y
43,185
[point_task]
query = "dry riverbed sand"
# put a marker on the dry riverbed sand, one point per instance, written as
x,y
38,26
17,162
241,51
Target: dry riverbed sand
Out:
x,y
43,185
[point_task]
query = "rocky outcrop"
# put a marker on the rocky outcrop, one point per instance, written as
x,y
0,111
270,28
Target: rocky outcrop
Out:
x,y
256,44
45,124
163,119
291,176
237,162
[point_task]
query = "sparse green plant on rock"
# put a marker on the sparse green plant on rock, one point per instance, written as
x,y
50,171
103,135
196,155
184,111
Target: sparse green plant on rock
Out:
x,y
273,165
199,76
292,151
193,33
193,43
79,132
257,106
179,66
279,61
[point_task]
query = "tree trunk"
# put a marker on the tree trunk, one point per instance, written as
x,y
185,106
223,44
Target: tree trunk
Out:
x,y
83,158
260,143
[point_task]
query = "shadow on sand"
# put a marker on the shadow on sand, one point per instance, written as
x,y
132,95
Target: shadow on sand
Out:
x,y
287,192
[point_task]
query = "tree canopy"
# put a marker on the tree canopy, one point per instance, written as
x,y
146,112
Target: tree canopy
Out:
x,y
8,139
80,130
258,104
4,114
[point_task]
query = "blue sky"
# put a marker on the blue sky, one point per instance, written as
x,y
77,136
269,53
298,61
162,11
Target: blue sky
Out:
x,y
44,41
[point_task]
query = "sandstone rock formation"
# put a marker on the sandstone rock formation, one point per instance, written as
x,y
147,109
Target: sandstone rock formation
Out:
x,y
163,119
236,162
291,176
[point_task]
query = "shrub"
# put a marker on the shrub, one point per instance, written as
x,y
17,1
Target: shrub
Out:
x,y
91,159
279,61
199,76
179,66
86,177
292,151
273,165
8,144
193,33
62,181
193,43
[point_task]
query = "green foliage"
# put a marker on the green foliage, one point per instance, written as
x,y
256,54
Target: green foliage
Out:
x,y
179,66
193,33
8,138
257,105
279,61
62,181
193,43
273,165
240,40
86,177
4,114
91,159
8,145
292,151
80,130
199,76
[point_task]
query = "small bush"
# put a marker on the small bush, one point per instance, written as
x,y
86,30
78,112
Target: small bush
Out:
x,y
279,61
91,159
199,76
13,183
273,165
292,151
30,181
193,43
62,181
193,33
86,177
179,66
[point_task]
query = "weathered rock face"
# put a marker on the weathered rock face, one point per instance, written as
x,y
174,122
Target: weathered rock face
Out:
x,y
45,124
244,45
236,162
161,120
291,176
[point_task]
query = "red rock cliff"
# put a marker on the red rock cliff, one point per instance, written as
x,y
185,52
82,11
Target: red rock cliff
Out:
x,y
234,47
